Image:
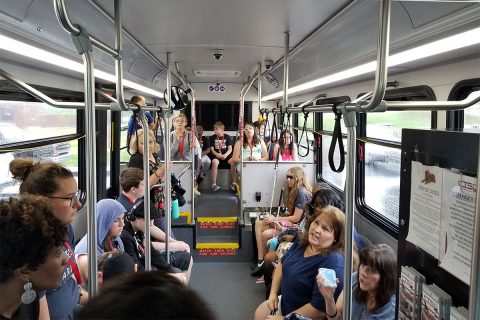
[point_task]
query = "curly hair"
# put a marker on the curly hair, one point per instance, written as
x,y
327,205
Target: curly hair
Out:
x,y
36,177
299,181
139,136
28,232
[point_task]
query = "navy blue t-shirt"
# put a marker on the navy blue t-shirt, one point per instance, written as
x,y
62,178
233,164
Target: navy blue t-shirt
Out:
x,y
299,285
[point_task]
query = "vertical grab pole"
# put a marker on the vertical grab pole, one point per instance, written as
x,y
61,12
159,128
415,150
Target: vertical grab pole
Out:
x,y
285,71
91,172
240,133
473,302
193,120
118,58
146,195
350,123
168,137
259,90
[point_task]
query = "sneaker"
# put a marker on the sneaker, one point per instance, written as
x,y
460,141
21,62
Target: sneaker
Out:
x,y
260,280
215,187
233,186
258,271
196,192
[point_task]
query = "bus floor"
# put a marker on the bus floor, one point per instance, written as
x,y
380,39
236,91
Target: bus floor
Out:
x,y
228,288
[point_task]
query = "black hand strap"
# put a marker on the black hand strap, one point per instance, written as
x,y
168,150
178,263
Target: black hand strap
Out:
x,y
337,136
304,129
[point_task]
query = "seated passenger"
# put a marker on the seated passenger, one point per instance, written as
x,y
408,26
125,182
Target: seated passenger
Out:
x,y
146,295
183,145
253,149
373,287
320,247
133,241
58,184
113,264
286,146
297,195
31,256
132,185
205,159
220,152
110,224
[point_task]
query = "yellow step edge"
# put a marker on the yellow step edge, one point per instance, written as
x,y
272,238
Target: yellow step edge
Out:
x,y
217,245
217,219
186,214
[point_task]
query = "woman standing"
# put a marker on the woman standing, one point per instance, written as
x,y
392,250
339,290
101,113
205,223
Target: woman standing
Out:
x,y
155,168
286,146
31,255
58,184
297,196
320,247
183,144
373,287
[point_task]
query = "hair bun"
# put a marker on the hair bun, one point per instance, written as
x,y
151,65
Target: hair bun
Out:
x,y
21,168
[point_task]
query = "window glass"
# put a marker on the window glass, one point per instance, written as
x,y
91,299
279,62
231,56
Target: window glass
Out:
x,y
124,156
65,153
329,122
303,156
337,179
24,121
382,180
472,116
388,125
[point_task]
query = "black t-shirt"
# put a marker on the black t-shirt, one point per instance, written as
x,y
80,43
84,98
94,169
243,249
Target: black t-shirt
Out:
x,y
26,311
204,143
220,144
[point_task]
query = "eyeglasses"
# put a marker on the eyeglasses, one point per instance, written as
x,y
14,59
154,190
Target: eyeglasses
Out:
x,y
78,196
289,177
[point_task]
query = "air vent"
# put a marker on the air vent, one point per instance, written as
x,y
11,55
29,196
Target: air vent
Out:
x,y
217,73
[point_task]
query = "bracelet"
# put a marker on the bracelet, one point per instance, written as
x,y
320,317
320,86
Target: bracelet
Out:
x,y
331,316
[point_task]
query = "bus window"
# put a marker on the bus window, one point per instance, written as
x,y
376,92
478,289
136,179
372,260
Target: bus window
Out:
x,y
472,116
25,121
311,137
337,179
124,155
382,162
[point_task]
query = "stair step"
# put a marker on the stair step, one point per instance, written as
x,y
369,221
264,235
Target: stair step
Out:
x,y
218,238
217,249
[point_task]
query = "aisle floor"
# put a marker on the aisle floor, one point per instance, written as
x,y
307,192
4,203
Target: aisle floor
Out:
x,y
228,288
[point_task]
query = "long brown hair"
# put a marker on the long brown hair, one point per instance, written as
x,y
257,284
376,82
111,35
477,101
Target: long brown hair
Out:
x,y
255,139
299,181
381,258
39,178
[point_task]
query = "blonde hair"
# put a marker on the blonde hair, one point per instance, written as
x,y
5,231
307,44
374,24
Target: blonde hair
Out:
x,y
299,181
180,115
219,124
139,136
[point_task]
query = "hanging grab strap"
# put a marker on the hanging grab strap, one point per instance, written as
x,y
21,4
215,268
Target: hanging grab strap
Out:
x,y
337,136
274,129
304,129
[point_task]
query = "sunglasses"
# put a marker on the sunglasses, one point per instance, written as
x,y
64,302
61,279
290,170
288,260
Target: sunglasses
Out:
x,y
289,177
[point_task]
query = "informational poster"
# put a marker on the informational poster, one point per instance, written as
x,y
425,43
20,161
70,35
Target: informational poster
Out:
x,y
457,223
425,207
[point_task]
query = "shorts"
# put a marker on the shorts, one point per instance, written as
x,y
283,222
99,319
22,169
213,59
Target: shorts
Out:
x,y
222,163
179,259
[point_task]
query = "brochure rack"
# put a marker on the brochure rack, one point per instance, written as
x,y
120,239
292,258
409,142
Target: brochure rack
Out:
x,y
444,151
